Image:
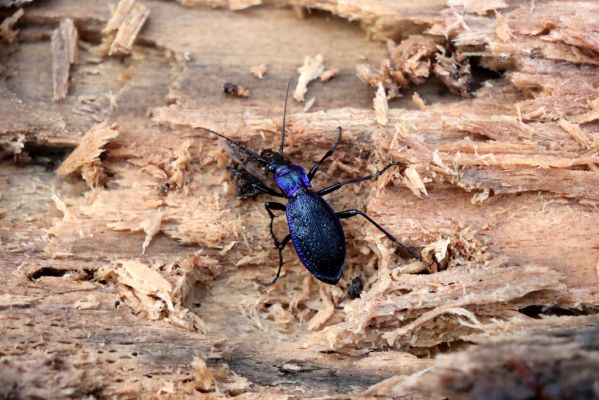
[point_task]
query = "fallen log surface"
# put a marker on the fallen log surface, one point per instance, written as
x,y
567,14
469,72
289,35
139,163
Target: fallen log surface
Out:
x,y
128,257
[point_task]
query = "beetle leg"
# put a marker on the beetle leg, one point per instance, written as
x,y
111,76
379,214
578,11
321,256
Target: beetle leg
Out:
x,y
281,246
257,185
329,153
339,185
269,205
353,213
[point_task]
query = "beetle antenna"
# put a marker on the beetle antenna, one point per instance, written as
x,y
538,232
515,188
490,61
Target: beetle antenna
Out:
x,y
284,115
236,144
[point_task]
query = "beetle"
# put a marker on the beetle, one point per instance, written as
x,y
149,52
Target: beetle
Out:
x,y
314,227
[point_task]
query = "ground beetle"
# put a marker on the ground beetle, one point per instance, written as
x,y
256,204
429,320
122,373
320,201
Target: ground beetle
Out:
x,y
315,229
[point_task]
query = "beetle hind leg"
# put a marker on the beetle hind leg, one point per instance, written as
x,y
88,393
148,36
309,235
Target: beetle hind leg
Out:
x,y
280,246
354,212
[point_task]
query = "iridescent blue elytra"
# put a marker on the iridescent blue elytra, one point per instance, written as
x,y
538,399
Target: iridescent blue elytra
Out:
x,y
314,228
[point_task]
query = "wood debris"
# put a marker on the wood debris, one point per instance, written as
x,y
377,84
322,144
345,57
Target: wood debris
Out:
x,y
409,62
64,54
123,27
329,74
418,101
312,68
412,57
13,3
476,6
232,89
233,5
148,293
418,314
7,33
259,70
381,108
87,303
557,362
85,159
309,104
454,72
203,375
414,182
503,31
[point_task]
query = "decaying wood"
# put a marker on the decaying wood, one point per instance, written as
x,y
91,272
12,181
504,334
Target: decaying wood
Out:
x,y
140,284
64,51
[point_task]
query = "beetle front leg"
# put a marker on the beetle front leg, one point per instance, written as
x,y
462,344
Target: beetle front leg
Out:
x,y
281,246
354,212
269,205
329,153
339,185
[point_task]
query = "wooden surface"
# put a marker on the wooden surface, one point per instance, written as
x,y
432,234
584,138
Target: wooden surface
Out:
x,y
117,285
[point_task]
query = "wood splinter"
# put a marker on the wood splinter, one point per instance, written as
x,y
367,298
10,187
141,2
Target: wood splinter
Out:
x,y
64,54
124,26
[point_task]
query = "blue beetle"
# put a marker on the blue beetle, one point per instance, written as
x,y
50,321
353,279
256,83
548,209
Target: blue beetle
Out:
x,y
314,228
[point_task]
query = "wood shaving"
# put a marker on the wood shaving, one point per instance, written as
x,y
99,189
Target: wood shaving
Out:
x,y
312,68
233,5
577,133
259,70
203,376
85,158
329,74
413,57
418,101
323,314
309,104
477,6
64,54
381,108
151,227
503,31
414,182
87,303
124,26
7,33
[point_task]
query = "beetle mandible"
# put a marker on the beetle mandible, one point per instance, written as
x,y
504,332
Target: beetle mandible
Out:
x,y
314,228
